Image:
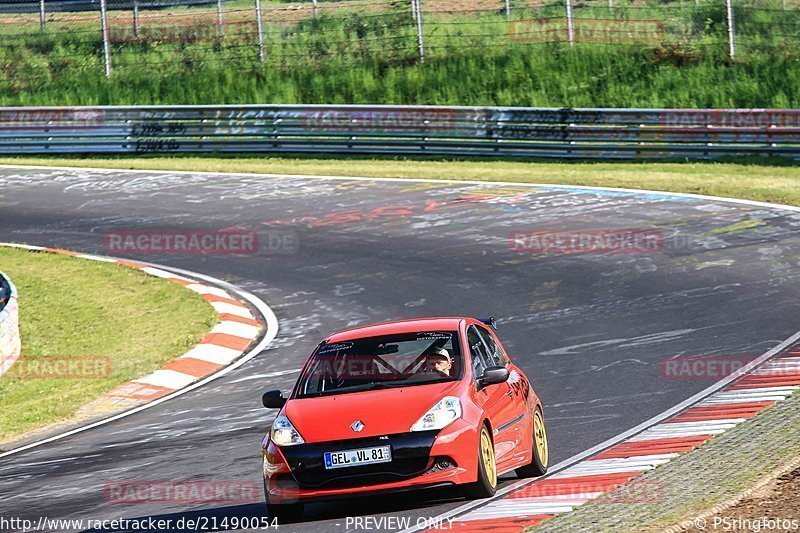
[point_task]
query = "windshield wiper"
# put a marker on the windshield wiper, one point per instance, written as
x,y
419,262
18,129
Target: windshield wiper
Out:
x,y
378,385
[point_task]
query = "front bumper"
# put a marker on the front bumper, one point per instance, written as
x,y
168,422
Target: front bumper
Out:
x,y
419,459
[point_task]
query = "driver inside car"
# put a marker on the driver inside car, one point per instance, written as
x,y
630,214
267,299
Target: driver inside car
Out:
x,y
438,360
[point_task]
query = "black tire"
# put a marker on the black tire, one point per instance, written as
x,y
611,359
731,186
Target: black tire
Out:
x,y
285,512
538,465
483,487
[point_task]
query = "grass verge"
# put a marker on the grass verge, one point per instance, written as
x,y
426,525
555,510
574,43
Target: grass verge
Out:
x,y
78,309
750,180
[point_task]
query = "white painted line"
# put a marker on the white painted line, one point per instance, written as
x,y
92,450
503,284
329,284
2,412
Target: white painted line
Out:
x,y
502,512
271,332
24,246
647,435
158,272
789,390
212,353
573,471
634,460
741,399
576,498
231,309
668,427
169,379
236,329
724,423
794,362
206,289
97,258
778,371
701,423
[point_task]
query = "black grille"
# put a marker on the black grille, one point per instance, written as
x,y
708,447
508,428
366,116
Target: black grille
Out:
x,y
410,457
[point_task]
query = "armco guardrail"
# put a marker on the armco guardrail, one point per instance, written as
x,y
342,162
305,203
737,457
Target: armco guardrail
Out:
x,y
9,324
482,131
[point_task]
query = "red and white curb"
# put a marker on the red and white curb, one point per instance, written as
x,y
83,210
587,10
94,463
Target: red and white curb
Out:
x,y
231,343
761,384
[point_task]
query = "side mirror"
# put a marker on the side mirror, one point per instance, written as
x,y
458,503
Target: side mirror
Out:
x,y
492,376
489,321
273,399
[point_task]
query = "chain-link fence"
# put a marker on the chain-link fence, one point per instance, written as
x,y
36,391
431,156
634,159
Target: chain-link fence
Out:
x,y
108,35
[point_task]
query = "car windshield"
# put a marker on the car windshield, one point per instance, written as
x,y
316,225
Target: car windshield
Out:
x,y
381,362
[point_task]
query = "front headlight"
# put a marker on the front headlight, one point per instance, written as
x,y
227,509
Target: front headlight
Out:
x,y
441,414
284,434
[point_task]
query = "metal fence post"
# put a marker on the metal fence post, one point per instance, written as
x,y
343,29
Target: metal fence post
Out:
x,y
104,23
219,19
135,18
315,7
508,8
570,25
41,15
260,27
420,38
731,30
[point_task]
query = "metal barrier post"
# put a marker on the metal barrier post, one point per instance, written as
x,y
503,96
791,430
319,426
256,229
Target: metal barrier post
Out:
x,y
570,25
420,38
219,19
508,8
731,30
41,15
104,23
315,7
135,18
260,26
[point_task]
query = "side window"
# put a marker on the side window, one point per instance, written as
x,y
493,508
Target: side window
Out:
x,y
496,356
480,359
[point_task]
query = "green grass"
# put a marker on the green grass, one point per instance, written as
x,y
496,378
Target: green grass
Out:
x,y
471,59
76,308
755,180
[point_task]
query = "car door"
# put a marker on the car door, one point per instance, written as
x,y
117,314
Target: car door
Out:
x,y
520,425
498,400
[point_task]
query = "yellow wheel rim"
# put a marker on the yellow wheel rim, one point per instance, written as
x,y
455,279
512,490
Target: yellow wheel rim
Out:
x,y
540,438
487,455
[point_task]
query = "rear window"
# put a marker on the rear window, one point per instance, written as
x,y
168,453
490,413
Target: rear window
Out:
x,y
372,363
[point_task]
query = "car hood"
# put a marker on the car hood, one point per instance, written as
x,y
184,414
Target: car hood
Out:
x,y
383,412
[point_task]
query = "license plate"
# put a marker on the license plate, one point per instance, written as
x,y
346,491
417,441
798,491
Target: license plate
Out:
x,y
362,456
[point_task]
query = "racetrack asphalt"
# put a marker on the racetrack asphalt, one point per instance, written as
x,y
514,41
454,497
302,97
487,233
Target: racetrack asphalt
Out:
x,y
589,329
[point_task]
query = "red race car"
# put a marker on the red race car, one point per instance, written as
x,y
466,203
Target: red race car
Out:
x,y
402,406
